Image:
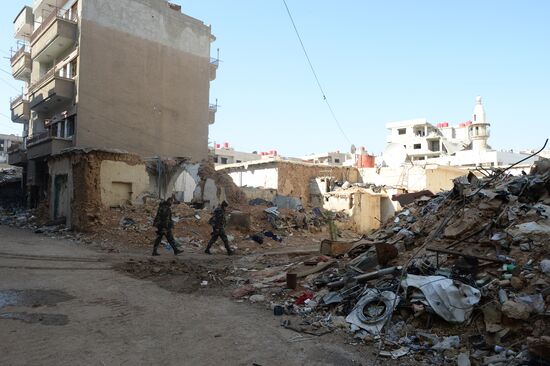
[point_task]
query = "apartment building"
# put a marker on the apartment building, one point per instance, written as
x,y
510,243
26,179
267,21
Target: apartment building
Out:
x,y
225,154
465,145
132,75
423,140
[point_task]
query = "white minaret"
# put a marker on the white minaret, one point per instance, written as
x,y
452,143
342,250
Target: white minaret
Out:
x,y
479,130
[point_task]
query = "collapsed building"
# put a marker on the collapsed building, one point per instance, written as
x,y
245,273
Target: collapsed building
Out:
x,y
365,194
85,182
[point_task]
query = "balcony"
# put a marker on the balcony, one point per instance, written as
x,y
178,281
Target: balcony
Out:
x,y
17,155
21,64
42,145
51,92
54,36
23,24
212,109
20,110
214,63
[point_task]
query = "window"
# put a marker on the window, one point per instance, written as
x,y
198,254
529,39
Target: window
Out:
x,y
72,68
224,160
70,126
417,146
215,159
336,160
239,161
401,131
54,129
2,144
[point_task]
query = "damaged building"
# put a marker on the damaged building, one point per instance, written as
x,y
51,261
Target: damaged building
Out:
x,y
108,75
85,182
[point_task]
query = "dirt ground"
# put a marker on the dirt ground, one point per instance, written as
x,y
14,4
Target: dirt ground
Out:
x,y
62,303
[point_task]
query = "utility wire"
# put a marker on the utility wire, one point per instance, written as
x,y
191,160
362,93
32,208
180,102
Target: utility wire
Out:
x,y
315,73
11,86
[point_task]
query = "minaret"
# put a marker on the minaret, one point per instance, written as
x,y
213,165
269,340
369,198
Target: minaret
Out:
x,y
479,129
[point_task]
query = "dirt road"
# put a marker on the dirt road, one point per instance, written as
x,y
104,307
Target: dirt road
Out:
x,y
63,304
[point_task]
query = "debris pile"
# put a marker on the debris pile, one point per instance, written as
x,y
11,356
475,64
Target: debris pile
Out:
x,y
463,275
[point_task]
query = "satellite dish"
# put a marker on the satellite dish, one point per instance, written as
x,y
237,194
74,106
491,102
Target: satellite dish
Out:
x,y
394,155
353,149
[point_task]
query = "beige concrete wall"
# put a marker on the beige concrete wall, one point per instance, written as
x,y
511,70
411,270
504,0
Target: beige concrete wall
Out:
x,y
116,177
366,212
441,178
144,79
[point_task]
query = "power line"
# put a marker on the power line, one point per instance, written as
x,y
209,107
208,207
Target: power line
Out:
x,y
11,86
315,73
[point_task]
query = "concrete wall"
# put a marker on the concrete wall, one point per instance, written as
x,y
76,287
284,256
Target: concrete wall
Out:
x,y
412,178
367,212
265,194
121,182
144,79
185,186
296,179
441,178
261,176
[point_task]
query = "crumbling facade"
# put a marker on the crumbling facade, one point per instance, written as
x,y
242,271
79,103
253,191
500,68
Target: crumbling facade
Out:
x,y
126,74
85,182
289,178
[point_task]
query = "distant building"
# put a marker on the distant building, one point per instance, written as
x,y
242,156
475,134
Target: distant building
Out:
x,y
7,143
359,159
328,158
465,145
225,154
132,75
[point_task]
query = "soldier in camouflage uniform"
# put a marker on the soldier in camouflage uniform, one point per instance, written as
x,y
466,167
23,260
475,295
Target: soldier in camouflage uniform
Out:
x,y
163,222
218,222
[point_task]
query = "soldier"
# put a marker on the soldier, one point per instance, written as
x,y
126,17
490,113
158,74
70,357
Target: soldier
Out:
x,y
163,222
218,222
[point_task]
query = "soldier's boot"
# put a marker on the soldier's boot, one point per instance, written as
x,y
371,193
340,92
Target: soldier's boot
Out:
x,y
207,250
176,249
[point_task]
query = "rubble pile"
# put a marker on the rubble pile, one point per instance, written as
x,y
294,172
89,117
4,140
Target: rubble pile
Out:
x,y
462,276
10,175
251,227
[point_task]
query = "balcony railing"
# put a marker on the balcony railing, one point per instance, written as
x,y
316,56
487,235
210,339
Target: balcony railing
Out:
x,y
41,80
214,61
36,138
17,100
47,21
213,107
21,51
15,146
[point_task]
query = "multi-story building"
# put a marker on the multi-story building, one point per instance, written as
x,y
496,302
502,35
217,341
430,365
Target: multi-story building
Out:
x,y
7,143
464,145
327,158
225,154
132,75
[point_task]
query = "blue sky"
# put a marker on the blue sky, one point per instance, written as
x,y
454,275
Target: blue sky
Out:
x,y
378,61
